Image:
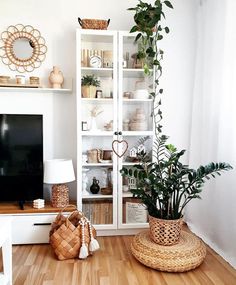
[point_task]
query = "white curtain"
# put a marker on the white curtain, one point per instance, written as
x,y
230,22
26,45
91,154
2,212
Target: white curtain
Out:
x,y
213,131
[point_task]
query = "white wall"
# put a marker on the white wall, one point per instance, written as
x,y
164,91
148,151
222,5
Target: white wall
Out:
x,y
57,21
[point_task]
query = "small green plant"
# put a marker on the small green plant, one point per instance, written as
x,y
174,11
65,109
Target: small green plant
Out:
x,y
88,80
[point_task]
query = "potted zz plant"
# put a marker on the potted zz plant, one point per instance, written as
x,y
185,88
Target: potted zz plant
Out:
x,y
89,83
164,185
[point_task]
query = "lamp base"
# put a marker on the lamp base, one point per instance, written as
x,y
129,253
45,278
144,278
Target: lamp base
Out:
x,y
60,195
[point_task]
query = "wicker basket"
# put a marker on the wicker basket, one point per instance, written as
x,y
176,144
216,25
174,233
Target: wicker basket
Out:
x,y
165,232
94,24
66,234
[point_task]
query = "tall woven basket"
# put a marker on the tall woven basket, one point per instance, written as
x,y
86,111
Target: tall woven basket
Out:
x,y
165,232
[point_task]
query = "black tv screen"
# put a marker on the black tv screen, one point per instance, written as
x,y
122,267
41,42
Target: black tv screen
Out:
x,y
21,157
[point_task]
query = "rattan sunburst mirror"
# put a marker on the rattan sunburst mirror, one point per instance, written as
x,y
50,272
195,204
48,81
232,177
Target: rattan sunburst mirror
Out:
x,y
22,48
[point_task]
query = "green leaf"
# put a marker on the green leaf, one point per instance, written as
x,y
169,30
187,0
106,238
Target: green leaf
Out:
x,y
167,30
168,4
137,37
134,29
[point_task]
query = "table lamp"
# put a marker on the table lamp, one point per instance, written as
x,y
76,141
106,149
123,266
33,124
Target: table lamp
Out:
x,y
58,172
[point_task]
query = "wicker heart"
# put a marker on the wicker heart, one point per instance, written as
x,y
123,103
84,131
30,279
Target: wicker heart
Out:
x,y
115,147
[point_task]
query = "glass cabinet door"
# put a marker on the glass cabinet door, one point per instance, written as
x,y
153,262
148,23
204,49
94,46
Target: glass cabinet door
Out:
x,y
97,121
136,124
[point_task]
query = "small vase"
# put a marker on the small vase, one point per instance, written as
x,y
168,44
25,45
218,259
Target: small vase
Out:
x,y
56,77
94,188
93,124
165,232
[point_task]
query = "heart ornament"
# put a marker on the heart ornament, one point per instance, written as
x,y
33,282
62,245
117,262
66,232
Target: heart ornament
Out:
x,y
119,147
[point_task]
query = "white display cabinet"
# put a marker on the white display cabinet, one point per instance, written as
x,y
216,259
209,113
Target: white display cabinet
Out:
x,y
125,110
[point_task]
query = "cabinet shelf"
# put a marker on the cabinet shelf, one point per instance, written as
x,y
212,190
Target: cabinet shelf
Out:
x,y
97,100
97,164
103,72
127,195
137,100
129,163
137,133
96,196
134,72
97,133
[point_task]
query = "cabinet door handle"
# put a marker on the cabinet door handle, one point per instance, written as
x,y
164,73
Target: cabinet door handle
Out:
x,y
120,133
116,133
42,224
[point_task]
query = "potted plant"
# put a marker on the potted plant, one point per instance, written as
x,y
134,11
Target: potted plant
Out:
x,y
89,84
165,185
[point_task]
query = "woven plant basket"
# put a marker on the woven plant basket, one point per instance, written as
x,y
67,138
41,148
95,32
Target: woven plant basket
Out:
x,y
66,237
165,232
94,24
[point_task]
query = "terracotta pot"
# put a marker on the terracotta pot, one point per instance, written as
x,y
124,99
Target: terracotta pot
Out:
x,y
88,91
165,232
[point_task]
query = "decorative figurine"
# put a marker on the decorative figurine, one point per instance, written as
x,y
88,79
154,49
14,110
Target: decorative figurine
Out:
x,y
85,182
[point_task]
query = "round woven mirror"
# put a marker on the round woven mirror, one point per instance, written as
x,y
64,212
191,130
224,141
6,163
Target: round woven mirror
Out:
x,y
22,48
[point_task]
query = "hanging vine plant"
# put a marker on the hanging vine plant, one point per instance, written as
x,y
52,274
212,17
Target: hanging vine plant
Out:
x,y
149,30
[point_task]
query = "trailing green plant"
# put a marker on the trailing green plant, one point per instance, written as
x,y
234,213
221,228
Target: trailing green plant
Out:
x,y
88,80
149,31
166,185
147,19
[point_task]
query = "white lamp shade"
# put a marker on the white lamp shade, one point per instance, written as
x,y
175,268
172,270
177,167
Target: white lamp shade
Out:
x,y
58,171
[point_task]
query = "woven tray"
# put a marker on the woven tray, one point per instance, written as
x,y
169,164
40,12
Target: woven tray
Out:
x,y
94,24
186,255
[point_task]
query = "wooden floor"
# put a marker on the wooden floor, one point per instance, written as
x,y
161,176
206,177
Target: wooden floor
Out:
x,y
113,264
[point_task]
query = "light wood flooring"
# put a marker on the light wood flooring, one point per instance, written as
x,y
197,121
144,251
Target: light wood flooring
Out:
x,y
113,264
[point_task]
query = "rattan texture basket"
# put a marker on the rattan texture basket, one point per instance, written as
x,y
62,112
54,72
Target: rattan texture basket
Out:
x,y
94,24
65,235
165,232
188,254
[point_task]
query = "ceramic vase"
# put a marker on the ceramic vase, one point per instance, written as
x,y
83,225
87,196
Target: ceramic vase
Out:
x,y
56,77
94,188
88,91
93,124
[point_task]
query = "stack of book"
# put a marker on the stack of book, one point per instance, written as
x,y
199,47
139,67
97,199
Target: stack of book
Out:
x,y
38,203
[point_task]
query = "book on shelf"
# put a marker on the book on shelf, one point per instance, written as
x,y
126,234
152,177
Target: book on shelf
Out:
x,y
98,212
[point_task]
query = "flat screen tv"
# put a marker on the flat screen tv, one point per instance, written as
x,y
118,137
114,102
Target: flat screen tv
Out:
x,y
21,157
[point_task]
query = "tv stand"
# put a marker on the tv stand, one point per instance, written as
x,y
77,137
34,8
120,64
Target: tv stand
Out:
x,y
31,225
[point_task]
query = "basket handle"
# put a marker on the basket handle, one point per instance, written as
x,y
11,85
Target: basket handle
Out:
x,y
80,21
80,213
69,205
108,22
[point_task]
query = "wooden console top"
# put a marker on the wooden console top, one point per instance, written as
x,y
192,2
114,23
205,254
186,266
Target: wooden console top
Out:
x,y
13,208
